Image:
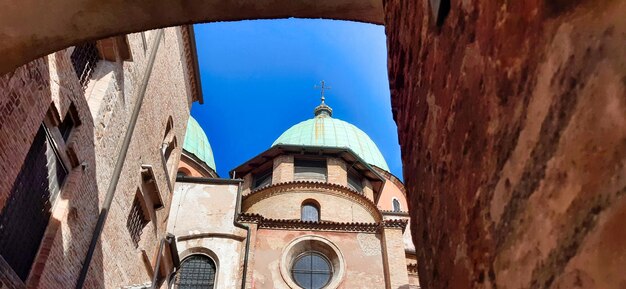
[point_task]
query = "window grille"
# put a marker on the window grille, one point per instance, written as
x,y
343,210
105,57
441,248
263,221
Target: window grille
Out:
x,y
136,222
263,179
25,216
396,205
196,272
84,59
311,270
310,170
310,212
355,182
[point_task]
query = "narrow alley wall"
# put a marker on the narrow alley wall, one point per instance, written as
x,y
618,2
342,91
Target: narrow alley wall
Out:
x,y
512,122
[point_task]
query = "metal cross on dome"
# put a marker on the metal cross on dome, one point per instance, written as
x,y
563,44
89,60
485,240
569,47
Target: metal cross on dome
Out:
x,y
322,87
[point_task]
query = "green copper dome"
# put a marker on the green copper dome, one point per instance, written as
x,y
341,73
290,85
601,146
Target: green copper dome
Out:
x,y
197,143
323,130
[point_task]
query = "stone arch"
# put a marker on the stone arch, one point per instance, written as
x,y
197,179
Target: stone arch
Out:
x,y
198,251
70,22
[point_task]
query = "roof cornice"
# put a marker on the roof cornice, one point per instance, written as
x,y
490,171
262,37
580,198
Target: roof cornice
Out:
x,y
290,224
321,187
191,59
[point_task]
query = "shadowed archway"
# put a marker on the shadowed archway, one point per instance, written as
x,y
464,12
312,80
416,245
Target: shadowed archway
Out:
x,y
60,24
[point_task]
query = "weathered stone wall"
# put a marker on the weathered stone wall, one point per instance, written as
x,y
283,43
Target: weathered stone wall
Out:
x,y
201,217
512,124
361,253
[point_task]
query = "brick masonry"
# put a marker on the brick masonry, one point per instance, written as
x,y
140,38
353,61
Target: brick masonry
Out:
x,y
283,169
337,173
104,109
512,124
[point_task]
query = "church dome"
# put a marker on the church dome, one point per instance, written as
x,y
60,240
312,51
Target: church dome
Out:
x,y
323,130
197,143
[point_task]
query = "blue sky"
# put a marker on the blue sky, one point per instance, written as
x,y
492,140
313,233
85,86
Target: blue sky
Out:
x,y
258,77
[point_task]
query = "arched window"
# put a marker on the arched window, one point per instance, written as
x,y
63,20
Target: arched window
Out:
x,y
396,205
196,271
169,144
183,172
311,270
310,212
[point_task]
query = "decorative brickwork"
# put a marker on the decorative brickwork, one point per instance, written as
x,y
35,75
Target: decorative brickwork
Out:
x,y
320,187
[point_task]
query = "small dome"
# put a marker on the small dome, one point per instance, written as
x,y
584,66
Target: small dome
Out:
x,y
323,130
197,143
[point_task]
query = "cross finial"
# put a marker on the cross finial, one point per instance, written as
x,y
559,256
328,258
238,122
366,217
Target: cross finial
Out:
x,y
322,87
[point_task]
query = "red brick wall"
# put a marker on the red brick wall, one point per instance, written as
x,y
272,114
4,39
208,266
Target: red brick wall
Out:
x,y
104,110
26,94
512,124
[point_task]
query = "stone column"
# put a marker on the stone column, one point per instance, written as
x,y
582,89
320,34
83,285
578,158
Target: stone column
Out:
x,y
337,172
283,169
249,272
394,260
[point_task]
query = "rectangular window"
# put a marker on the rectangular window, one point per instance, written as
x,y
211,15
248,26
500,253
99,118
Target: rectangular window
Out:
x,y
25,216
137,220
70,121
65,128
84,59
355,181
310,170
263,179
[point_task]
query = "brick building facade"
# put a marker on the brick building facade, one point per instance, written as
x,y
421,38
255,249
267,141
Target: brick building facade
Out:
x,y
85,139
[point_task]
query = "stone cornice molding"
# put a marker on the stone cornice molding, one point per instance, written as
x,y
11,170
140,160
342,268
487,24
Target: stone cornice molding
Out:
x,y
394,213
282,224
191,61
211,235
318,187
395,223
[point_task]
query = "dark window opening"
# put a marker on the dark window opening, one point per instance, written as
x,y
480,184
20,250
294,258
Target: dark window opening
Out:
x,y
70,121
84,59
311,270
305,169
196,271
396,205
355,182
169,144
168,151
263,179
25,216
310,212
137,221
